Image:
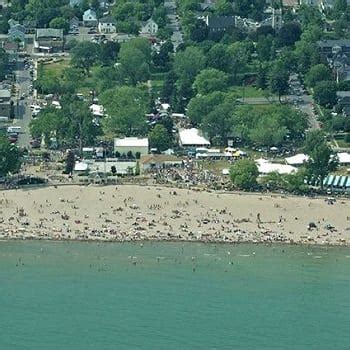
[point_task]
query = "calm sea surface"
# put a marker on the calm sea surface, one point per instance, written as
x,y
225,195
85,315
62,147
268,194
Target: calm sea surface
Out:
x,y
68,295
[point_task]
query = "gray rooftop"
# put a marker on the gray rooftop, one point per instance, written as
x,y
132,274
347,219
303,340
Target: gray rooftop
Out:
x,y
5,93
49,33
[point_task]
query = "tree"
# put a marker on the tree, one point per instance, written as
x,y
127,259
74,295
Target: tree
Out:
x,y
289,34
3,62
200,106
85,55
9,157
218,122
263,47
210,80
162,58
159,138
188,63
317,73
60,23
322,160
126,108
50,121
244,174
218,58
239,53
133,64
325,93
109,52
278,79
70,162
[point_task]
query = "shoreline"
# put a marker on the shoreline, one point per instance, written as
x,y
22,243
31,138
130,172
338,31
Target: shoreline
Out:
x,y
141,213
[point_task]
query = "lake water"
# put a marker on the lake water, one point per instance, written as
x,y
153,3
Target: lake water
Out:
x,y
71,295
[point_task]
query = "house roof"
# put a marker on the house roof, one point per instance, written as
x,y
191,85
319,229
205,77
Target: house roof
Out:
x,y
189,137
4,93
131,142
75,2
18,28
107,19
333,43
89,13
49,33
220,21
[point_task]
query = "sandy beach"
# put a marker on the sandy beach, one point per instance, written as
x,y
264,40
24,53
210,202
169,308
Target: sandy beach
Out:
x,y
127,213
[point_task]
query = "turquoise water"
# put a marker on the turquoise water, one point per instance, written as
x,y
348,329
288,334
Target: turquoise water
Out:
x,y
92,296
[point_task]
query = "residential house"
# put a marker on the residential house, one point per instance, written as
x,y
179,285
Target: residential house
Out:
x,y
107,25
344,102
74,23
220,23
12,22
131,144
150,27
30,26
329,48
5,103
16,33
90,18
48,40
73,3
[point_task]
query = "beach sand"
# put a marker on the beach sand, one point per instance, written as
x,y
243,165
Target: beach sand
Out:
x,y
127,212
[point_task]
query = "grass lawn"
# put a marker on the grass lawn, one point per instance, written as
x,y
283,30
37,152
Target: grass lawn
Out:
x,y
55,68
157,80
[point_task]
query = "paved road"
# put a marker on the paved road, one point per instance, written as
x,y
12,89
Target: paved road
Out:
x,y
305,104
174,25
22,107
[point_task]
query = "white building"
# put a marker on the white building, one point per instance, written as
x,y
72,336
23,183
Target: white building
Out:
x,y
131,144
191,138
107,25
149,28
90,18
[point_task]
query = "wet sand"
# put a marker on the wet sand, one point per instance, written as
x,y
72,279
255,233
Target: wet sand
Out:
x,y
129,213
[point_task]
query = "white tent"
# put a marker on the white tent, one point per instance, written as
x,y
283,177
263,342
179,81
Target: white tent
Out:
x,y
265,167
191,138
343,158
297,159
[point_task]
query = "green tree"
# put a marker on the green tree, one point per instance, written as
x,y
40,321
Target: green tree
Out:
x,y
239,53
133,64
289,34
210,80
244,174
188,63
325,93
159,138
50,121
200,106
85,55
278,79
60,23
317,73
9,157
218,58
126,107
109,52
322,160
218,123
